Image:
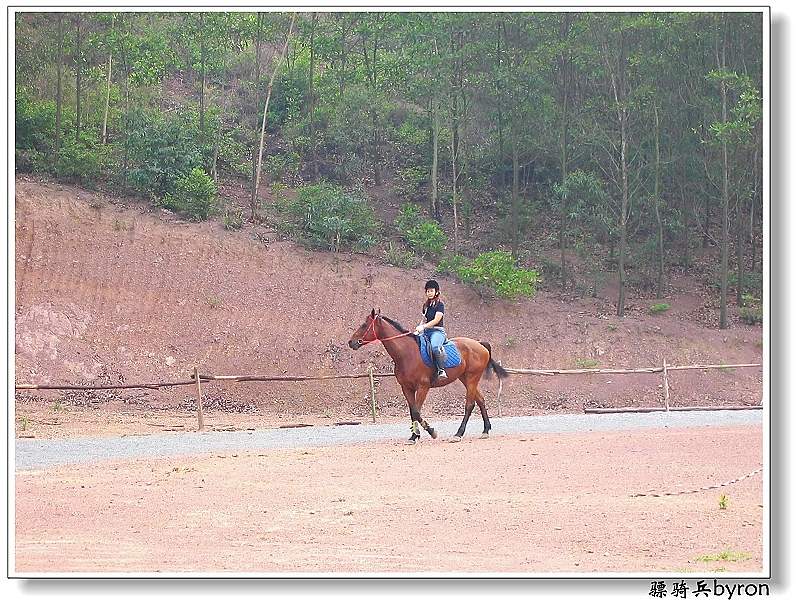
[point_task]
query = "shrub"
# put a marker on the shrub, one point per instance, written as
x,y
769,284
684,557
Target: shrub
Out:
x,y
658,308
409,217
162,150
423,235
79,161
34,123
330,217
427,239
233,219
451,265
195,195
752,315
410,180
496,270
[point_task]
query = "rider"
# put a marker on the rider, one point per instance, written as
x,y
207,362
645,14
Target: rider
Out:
x,y
432,325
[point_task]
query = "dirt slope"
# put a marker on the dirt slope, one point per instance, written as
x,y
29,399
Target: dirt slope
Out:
x,y
109,290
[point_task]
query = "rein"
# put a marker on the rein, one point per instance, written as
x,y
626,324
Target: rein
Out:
x,y
375,332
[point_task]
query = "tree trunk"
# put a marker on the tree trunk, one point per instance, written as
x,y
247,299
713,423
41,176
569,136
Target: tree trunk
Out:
x,y
78,73
454,149
723,294
436,129
515,197
257,179
623,218
218,137
108,102
312,132
202,76
739,254
562,229
657,202
59,90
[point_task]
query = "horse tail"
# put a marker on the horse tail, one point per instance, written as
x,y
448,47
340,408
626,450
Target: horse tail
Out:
x,y
492,364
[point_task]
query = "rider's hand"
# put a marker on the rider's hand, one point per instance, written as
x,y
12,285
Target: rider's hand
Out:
x,y
419,329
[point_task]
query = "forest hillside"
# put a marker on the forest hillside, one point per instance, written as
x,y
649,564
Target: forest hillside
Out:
x,y
235,191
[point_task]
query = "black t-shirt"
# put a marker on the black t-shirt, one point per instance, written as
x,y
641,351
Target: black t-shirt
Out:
x,y
430,311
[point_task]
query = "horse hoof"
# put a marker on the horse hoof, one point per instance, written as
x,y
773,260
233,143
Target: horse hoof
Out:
x,y
434,435
484,436
410,442
455,439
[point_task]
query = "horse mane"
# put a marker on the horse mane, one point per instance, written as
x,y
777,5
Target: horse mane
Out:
x,y
395,324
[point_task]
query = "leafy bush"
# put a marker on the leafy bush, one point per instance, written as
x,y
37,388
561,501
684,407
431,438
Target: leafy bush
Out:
x,y
658,308
410,180
283,167
427,239
496,270
330,217
80,161
752,315
195,195
233,219
409,217
162,150
34,123
423,235
452,265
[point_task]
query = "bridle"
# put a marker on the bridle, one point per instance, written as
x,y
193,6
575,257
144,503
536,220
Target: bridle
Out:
x,y
372,328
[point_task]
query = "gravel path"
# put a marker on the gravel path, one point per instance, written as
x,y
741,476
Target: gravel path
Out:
x,y
37,454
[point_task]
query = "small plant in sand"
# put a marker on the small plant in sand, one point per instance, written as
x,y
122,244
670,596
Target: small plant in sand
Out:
x,y
23,423
723,502
587,363
725,555
659,308
214,301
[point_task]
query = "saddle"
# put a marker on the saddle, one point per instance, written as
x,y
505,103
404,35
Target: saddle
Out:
x,y
451,352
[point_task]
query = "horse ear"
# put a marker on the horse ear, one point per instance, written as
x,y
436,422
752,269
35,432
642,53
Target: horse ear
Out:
x,y
378,312
373,313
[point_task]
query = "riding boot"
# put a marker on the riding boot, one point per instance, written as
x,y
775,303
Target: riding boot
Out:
x,y
439,359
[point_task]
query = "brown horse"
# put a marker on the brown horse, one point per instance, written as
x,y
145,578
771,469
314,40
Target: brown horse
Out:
x,y
416,378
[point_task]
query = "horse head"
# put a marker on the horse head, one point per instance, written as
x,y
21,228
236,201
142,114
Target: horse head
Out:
x,y
366,333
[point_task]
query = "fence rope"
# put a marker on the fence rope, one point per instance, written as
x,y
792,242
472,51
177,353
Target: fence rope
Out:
x,y
701,489
246,378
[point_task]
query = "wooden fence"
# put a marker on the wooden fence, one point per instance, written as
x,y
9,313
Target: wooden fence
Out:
x,y
197,379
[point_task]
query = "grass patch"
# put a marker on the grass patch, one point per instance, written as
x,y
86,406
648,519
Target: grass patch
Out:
x,y
587,363
724,556
658,308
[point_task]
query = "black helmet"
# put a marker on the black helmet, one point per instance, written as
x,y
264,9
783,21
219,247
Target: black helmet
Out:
x,y
432,285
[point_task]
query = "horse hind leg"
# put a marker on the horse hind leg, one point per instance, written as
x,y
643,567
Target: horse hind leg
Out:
x,y
469,405
487,426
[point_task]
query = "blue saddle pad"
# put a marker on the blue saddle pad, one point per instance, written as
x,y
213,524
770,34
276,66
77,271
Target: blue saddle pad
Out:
x,y
450,349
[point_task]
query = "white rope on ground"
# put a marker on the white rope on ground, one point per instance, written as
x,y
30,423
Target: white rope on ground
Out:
x,y
702,489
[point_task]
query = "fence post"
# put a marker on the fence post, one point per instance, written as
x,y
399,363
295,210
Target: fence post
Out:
x,y
666,387
199,402
372,390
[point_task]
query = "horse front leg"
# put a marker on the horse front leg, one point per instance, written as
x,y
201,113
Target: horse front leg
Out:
x,y
422,393
410,398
